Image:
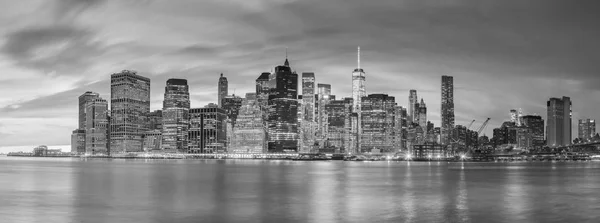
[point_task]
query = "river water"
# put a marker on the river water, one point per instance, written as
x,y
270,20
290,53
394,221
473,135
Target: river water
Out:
x,y
130,191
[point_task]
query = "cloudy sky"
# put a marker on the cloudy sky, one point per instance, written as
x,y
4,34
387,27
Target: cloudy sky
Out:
x,y
503,54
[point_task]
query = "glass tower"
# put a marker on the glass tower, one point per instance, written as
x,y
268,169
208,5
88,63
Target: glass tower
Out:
x,y
176,107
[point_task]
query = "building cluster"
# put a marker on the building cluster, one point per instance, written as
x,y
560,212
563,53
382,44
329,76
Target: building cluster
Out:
x,y
278,118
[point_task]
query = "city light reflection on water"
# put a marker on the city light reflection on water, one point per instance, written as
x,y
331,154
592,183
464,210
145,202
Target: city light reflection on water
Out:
x,y
95,190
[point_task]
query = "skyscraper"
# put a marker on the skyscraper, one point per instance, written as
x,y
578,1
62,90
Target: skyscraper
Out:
x,y
422,114
83,99
129,106
308,96
587,128
358,85
378,119
96,127
558,129
323,95
447,107
223,89
176,107
412,105
282,116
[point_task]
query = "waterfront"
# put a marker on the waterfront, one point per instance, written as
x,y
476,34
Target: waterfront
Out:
x,y
120,190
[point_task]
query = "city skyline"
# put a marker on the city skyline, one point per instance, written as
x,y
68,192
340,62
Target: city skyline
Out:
x,y
487,84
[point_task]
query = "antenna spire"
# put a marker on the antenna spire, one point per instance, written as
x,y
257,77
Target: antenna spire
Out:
x,y
358,56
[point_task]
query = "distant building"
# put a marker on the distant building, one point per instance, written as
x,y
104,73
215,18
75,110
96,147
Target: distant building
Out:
x,y
223,89
79,134
249,134
339,125
308,96
323,99
377,123
400,128
129,106
176,118
96,127
208,130
587,128
358,92
558,128
422,115
447,112
263,89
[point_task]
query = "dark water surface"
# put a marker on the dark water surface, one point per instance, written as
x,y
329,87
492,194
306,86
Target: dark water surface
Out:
x,y
74,190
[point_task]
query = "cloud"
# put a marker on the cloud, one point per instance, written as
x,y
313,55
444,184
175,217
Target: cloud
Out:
x,y
61,49
68,10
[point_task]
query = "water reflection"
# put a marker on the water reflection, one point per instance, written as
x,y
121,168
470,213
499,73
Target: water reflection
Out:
x,y
65,190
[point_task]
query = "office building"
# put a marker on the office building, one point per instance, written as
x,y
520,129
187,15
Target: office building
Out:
x,y
282,115
358,85
377,123
558,128
152,141
96,127
78,141
83,99
129,106
249,134
587,129
323,99
338,125
155,121
176,107
308,96
447,111
208,130
222,89
422,115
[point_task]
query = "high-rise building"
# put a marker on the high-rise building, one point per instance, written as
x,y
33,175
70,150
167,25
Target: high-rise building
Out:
x,y
587,128
96,127
400,125
231,105
308,96
422,115
176,107
413,100
338,125
83,99
129,106
358,85
558,129
249,135
377,123
447,107
282,116
323,99
223,89
152,140
208,130
536,125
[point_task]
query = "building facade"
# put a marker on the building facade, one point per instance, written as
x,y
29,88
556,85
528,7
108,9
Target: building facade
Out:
x,y
231,105
377,124
558,128
447,111
587,129
129,106
176,107
535,123
208,130
413,101
249,133
96,127
282,114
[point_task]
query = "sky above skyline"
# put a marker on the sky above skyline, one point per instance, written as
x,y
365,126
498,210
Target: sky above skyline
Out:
x,y
503,54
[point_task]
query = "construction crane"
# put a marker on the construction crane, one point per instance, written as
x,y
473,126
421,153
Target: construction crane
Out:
x,y
483,126
470,124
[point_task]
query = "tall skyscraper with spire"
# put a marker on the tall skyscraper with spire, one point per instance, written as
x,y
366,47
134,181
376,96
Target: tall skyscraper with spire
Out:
x,y
223,89
358,85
